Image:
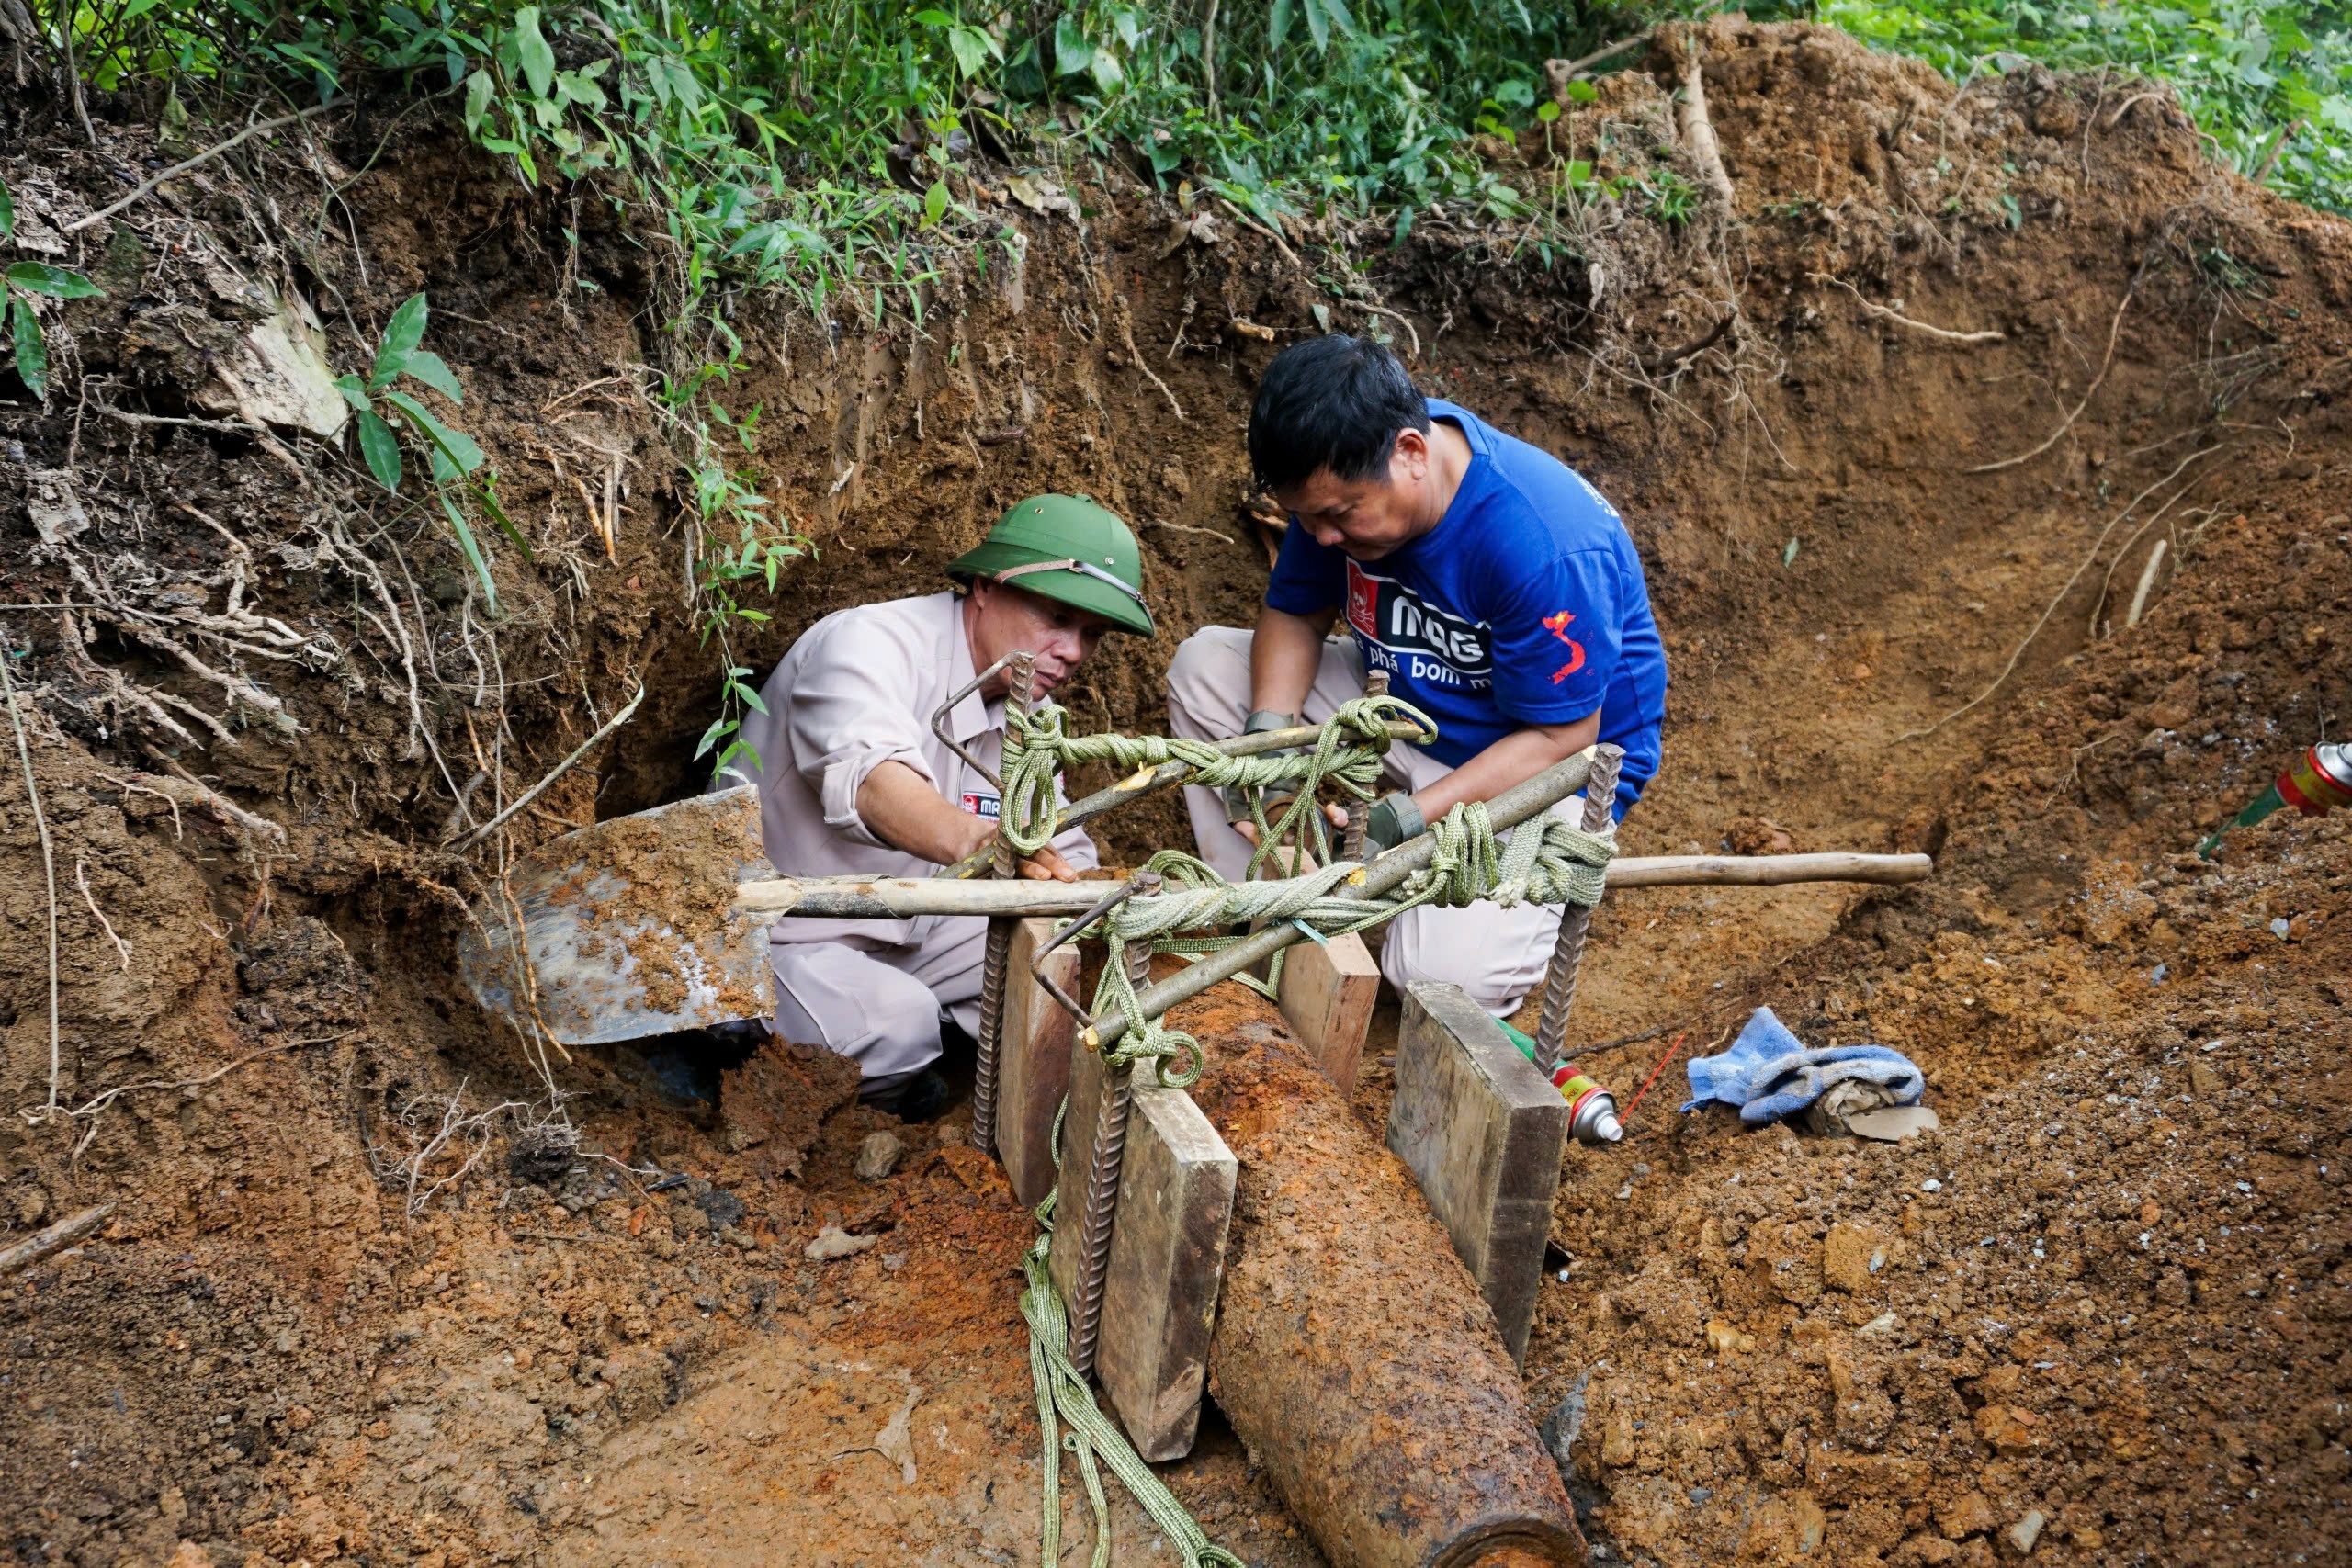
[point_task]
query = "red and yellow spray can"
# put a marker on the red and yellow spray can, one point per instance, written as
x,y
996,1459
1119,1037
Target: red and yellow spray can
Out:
x,y
1593,1109
2318,781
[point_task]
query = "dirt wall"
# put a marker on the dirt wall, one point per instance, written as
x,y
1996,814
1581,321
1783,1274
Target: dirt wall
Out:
x,y
1849,521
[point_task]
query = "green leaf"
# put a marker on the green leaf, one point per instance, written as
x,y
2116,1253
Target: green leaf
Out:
x,y
1073,51
934,204
971,48
1546,112
355,392
934,18
402,334
477,90
32,354
40,278
1108,74
381,447
720,726
1318,23
531,49
453,448
1277,25
489,498
435,372
1342,18
7,212
751,698
472,549
1583,91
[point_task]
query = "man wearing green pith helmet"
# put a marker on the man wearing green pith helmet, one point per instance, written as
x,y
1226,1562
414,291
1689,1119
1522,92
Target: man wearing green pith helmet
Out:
x,y
854,781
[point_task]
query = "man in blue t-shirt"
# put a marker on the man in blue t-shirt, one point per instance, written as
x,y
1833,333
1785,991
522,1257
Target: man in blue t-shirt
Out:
x,y
1496,587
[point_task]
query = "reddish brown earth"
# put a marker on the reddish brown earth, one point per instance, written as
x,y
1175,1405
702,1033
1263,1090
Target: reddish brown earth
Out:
x,y
2121,1308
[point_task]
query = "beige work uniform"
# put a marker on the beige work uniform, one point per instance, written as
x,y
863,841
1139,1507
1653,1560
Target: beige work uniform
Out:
x,y
857,690
1494,954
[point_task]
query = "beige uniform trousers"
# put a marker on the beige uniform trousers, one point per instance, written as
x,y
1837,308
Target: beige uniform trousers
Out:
x,y
1497,955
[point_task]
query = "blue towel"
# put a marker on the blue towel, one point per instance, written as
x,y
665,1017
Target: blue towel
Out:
x,y
1767,1073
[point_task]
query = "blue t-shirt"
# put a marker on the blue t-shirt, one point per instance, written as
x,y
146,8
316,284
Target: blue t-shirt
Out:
x,y
1524,605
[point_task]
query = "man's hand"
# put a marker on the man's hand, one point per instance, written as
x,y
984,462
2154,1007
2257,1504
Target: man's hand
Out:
x,y
1045,865
902,810
1335,815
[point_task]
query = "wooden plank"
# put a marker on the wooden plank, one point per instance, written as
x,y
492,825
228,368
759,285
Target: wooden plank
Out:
x,y
1482,1132
1167,1265
1086,1076
1328,992
1033,1061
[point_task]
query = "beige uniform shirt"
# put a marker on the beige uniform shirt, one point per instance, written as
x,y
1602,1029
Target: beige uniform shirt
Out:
x,y
857,690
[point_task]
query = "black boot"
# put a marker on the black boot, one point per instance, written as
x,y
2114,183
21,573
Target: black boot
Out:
x,y
925,1097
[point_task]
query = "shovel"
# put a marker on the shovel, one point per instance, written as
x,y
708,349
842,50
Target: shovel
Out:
x,y
624,929
627,928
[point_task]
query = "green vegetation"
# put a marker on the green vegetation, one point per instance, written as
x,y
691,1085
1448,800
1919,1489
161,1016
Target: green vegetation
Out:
x,y
18,283
454,461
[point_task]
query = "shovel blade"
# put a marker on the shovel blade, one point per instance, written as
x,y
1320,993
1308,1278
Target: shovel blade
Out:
x,y
622,930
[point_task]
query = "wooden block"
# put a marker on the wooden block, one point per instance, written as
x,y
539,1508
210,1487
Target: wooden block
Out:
x,y
1328,992
1482,1131
1086,1075
1167,1264
1033,1061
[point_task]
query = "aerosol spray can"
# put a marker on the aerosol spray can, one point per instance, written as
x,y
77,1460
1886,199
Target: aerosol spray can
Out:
x,y
1593,1109
2320,781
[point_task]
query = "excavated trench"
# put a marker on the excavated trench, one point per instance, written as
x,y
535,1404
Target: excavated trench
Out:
x,y
340,1311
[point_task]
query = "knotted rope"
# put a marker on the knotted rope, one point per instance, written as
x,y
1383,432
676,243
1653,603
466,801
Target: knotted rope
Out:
x,y
1064,1398
1039,746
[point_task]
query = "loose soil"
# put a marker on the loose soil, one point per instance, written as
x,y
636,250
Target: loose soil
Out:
x,y
369,1294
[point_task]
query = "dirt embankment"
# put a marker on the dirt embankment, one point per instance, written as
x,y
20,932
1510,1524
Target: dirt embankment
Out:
x,y
2109,1296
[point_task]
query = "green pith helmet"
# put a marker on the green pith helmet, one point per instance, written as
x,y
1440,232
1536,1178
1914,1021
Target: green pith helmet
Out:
x,y
1069,549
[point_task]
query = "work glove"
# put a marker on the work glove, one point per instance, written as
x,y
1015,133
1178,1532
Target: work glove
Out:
x,y
1236,799
1392,819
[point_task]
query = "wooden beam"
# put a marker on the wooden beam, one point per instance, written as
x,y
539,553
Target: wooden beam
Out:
x,y
1482,1131
1328,992
1167,1267
1032,1060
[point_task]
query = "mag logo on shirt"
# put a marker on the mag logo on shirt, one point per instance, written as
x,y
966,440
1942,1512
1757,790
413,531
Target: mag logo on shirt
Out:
x,y
1423,642
982,804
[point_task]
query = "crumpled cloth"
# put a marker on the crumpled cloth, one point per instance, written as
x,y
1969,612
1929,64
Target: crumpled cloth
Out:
x,y
1768,1073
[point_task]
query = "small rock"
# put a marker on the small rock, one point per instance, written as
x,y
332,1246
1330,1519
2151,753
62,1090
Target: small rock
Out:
x,y
720,1207
1723,1339
1851,1256
2007,1429
2025,1532
1970,1512
833,1242
878,1156
1931,1185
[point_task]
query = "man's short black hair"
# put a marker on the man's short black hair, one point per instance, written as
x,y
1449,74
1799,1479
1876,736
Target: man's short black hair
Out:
x,y
1334,402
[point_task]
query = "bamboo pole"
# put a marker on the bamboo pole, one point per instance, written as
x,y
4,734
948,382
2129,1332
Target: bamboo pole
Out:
x,y
906,898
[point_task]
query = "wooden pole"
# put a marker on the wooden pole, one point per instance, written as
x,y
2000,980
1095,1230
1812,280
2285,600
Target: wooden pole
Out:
x,y
906,898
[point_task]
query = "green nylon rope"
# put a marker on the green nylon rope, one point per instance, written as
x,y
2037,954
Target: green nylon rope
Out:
x,y
1037,747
